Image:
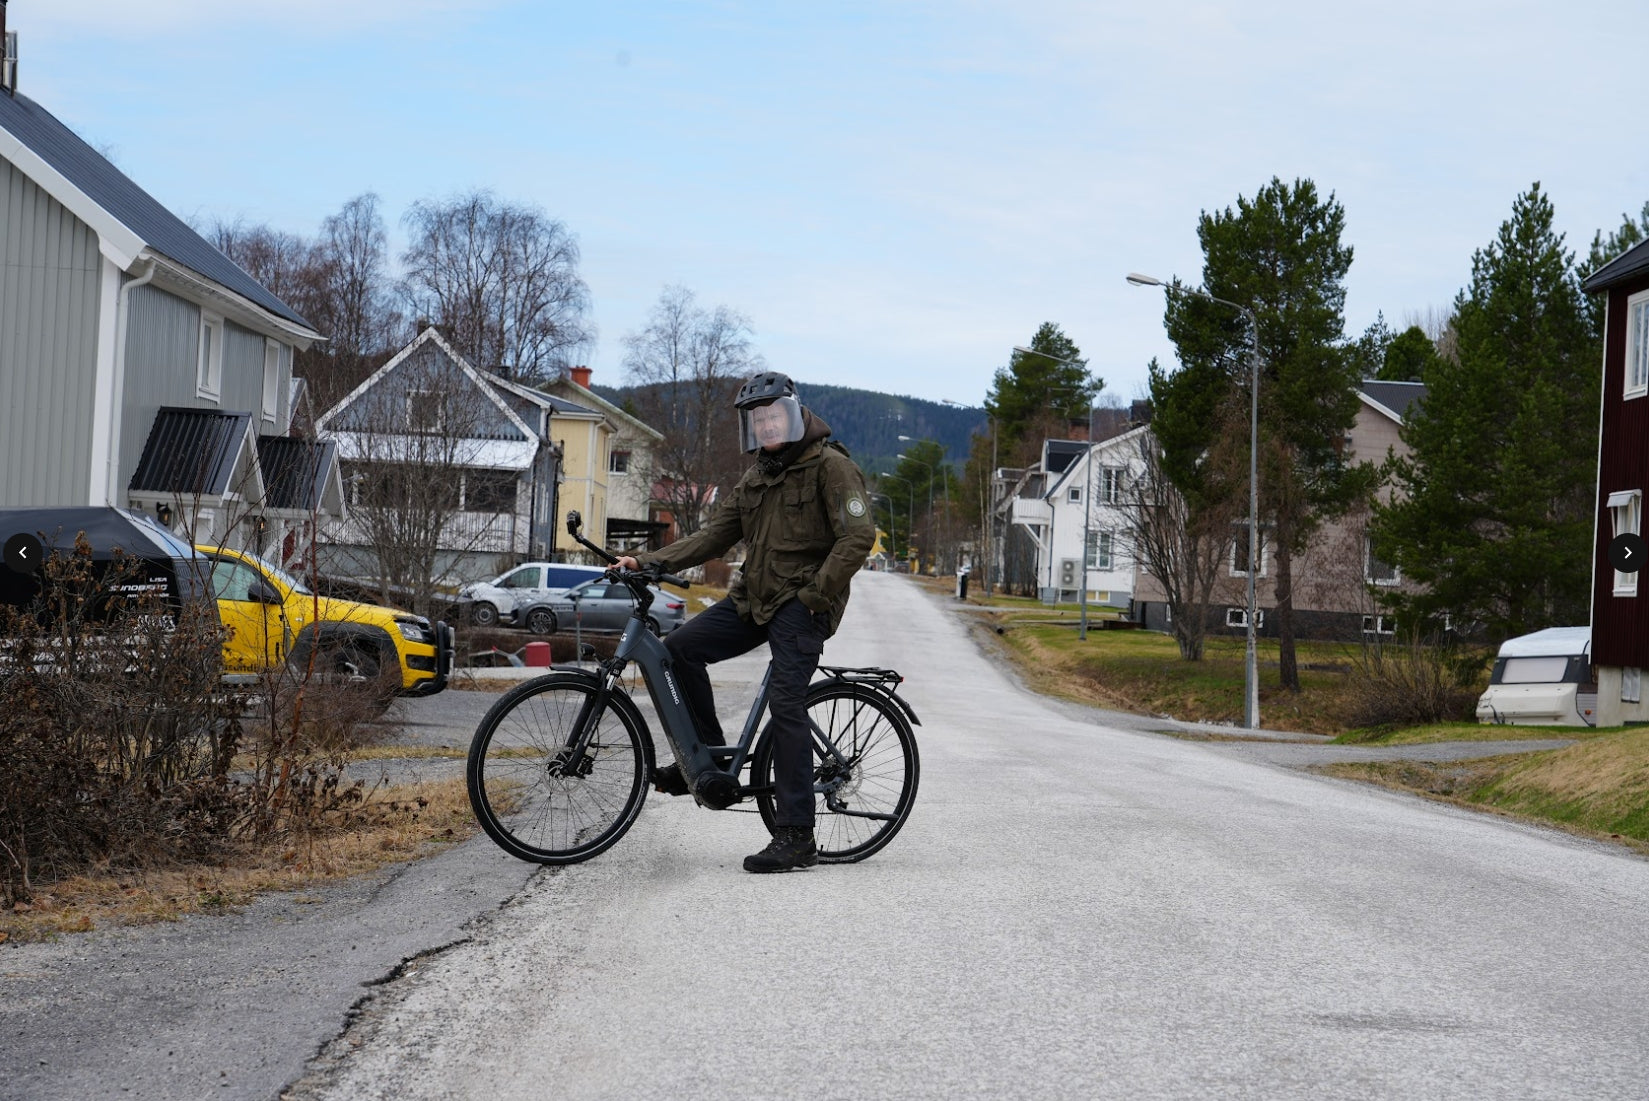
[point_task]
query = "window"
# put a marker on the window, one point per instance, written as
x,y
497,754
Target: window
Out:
x,y
489,491
1100,550
1379,625
1637,345
527,577
1074,495
209,369
1375,571
618,463
1239,552
1631,685
1626,510
1110,485
424,410
271,380
1238,617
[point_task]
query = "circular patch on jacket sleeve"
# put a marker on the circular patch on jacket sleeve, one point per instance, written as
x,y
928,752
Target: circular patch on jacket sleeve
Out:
x,y
855,507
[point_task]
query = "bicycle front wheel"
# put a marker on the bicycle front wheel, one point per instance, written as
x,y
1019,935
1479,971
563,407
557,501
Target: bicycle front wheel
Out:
x,y
539,795
865,771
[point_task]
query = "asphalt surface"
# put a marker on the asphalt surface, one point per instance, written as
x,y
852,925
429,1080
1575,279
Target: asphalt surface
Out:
x,y
1079,907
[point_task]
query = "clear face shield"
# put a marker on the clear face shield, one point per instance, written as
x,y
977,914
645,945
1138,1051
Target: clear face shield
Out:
x,y
771,426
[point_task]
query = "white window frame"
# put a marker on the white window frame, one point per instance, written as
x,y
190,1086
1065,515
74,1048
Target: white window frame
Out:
x,y
1626,513
1240,569
1631,685
1110,485
1094,559
1238,617
1636,367
209,357
613,465
440,422
271,380
1396,577
1379,625
1073,495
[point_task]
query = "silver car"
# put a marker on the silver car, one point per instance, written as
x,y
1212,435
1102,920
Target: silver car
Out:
x,y
600,605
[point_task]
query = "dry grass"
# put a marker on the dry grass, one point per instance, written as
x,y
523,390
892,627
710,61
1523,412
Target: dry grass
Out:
x,y
394,824
1597,788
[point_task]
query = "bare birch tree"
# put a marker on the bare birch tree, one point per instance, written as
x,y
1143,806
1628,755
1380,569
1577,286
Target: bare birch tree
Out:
x,y
1182,548
501,280
688,363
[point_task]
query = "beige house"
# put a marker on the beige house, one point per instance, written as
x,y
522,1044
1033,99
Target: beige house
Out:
x,y
1336,579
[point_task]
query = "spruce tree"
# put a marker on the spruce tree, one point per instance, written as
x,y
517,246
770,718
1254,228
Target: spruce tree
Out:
x,y
1492,510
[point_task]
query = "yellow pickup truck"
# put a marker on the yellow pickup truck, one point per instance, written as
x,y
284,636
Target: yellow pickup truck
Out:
x,y
273,618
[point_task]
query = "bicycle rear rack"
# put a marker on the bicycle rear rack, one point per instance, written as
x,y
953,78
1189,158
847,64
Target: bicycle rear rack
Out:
x,y
885,681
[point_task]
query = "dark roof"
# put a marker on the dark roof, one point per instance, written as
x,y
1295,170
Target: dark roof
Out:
x,y
1396,396
106,529
295,471
129,204
1631,264
190,452
1060,454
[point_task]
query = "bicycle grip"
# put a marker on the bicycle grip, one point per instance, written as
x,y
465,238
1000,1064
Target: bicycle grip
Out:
x,y
679,582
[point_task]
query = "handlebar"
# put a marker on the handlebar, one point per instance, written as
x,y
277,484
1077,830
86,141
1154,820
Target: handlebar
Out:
x,y
650,574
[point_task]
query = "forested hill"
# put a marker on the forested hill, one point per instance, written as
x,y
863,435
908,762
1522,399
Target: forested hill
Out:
x,y
870,423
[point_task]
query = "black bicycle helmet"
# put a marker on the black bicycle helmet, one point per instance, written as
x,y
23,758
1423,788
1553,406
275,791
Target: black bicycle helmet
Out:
x,y
762,388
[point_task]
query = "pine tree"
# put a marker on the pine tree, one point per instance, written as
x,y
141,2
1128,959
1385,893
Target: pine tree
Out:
x,y
1492,510
1279,254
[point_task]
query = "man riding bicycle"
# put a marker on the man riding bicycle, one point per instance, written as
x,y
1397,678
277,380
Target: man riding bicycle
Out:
x,y
801,510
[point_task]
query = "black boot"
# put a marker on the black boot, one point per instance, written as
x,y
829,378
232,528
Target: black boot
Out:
x,y
792,847
669,780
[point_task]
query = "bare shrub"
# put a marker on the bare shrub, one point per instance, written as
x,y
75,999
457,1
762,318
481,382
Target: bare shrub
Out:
x,y
1409,682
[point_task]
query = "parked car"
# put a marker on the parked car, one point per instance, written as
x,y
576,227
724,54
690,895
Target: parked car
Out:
x,y
274,618
1542,679
599,605
506,597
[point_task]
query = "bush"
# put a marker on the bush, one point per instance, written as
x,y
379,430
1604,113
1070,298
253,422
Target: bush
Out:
x,y
121,746
1411,682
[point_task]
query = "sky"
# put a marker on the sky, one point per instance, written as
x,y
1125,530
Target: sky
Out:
x,y
896,192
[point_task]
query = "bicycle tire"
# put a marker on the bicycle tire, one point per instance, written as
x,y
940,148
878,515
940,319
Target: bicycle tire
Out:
x,y
875,737
534,803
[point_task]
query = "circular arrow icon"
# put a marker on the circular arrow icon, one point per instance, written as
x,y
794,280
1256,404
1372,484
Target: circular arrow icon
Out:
x,y
1626,552
24,553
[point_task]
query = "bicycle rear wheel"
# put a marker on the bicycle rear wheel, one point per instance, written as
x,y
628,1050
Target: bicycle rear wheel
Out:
x,y
538,799
865,770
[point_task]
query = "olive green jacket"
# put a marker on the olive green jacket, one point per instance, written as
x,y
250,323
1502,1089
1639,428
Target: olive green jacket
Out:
x,y
808,530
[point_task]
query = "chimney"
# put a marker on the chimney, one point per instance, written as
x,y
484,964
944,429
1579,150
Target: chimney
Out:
x,y
8,55
580,375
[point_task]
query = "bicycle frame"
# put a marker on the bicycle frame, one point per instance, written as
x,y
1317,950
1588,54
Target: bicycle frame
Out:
x,y
712,772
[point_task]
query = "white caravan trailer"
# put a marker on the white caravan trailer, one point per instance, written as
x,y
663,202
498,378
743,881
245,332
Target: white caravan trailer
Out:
x,y
1543,679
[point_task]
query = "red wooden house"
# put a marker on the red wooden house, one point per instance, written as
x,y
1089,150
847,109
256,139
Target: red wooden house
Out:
x,y
1620,601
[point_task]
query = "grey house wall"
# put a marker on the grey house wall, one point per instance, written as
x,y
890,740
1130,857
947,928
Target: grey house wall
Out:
x,y
162,364
50,272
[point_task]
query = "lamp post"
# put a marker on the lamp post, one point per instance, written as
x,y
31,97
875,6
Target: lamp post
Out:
x,y
1251,680
892,532
987,489
910,509
1087,498
929,468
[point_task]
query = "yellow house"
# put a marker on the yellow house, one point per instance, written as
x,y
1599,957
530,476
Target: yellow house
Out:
x,y
585,438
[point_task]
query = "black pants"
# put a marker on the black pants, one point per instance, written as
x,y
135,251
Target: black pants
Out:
x,y
796,640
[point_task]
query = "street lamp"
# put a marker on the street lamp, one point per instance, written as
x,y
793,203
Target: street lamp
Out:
x,y
1087,498
987,490
1251,679
929,468
910,510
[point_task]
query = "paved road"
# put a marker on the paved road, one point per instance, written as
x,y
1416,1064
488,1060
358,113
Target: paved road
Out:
x,y
1079,907
1073,911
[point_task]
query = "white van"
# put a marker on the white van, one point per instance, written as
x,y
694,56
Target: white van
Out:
x,y
1543,679
488,603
